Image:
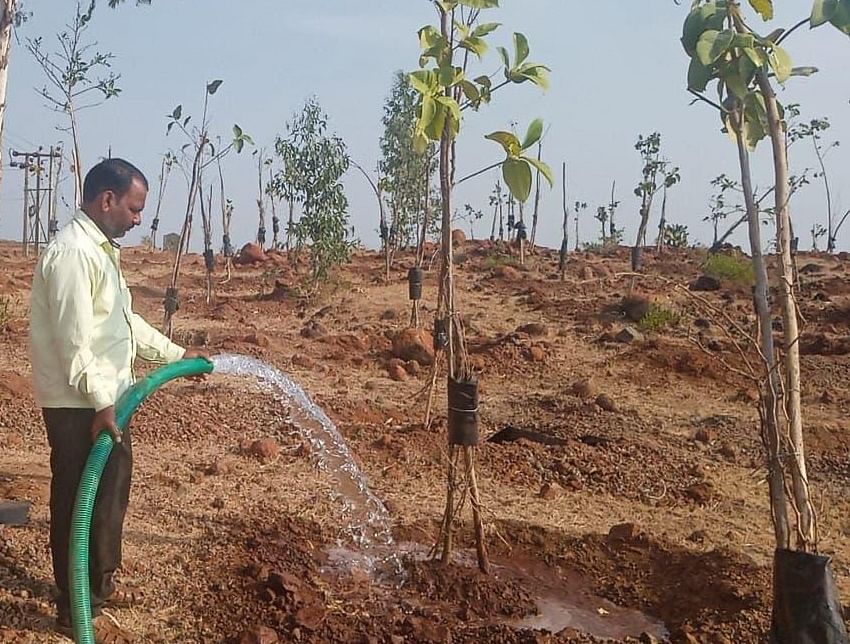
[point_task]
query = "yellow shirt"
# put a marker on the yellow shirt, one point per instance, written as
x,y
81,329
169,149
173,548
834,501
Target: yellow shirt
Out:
x,y
84,335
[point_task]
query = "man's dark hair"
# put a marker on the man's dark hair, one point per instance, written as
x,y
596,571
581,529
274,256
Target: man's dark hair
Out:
x,y
115,175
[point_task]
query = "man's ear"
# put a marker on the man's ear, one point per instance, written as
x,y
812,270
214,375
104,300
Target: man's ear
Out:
x,y
107,200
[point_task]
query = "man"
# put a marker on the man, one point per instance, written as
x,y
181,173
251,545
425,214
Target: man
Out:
x,y
84,339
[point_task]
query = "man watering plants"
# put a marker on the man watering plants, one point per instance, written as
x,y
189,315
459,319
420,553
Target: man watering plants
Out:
x,y
84,339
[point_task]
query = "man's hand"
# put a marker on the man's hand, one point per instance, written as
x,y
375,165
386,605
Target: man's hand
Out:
x,y
196,353
105,419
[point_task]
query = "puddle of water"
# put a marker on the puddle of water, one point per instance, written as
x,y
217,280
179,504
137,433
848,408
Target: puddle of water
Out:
x,y
366,521
563,599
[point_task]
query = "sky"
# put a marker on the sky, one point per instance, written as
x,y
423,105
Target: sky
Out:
x,y
618,70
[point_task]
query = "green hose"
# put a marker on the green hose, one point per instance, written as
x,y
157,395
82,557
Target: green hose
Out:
x,y
78,566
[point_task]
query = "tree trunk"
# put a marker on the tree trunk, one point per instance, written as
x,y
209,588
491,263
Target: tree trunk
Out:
x,y
7,23
534,216
772,418
659,243
78,164
806,530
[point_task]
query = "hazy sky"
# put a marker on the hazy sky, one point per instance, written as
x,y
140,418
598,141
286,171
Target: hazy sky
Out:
x,y
617,70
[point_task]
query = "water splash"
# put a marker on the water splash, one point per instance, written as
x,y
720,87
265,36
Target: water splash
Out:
x,y
366,520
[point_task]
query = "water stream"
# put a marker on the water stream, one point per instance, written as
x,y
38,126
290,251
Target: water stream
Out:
x,y
366,521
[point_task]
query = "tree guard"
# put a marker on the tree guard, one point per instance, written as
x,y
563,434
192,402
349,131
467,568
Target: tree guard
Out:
x,y
463,412
261,236
172,301
414,283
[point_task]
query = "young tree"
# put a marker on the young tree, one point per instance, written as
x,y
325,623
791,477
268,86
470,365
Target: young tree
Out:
x,y
314,163
73,75
404,171
578,207
813,130
497,201
657,174
10,17
448,88
725,49
167,163
196,155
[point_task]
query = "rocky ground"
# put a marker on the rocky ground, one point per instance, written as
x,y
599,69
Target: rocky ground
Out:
x,y
624,491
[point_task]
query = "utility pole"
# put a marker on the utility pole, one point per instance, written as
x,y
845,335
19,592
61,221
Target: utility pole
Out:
x,y
34,234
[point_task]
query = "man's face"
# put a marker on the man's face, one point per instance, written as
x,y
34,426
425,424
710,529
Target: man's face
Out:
x,y
121,214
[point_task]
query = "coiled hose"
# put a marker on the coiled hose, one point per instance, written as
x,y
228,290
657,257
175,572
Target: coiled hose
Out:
x,y
78,566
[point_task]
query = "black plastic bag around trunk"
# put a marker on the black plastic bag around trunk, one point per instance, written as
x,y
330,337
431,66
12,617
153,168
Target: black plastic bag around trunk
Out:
x,y
806,607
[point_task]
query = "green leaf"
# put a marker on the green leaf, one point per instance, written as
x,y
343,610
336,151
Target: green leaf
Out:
x,y
470,91
238,144
521,48
474,44
237,131
804,71
485,29
420,142
424,81
710,15
451,105
756,55
537,74
822,12
506,59
544,169
698,76
177,113
841,19
532,136
429,110
480,4
212,87
517,174
764,8
733,80
713,44
509,142
781,63
435,128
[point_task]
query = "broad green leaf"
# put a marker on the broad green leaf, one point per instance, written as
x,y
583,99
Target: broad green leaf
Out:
x,y
517,174
484,81
479,4
238,144
474,44
781,63
521,48
237,131
435,128
420,142
424,81
177,113
841,18
485,29
508,141
537,74
532,136
713,44
710,15
451,105
429,37
822,12
698,76
774,36
756,55
212,87
764,8
470,91
429,110
733,80
743,41
544,169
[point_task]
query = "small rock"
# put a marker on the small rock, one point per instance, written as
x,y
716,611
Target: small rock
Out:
x,y
218,503
827,397
412,367
623,532
705,435
705,283
634,307
313,330
414,344
251,254
729,451
536,354
701,493
702,323
258,339
550,491
583,388
220,468
259,635
534,329
301,360
629,335
458,237
507,273
389,314
810,269
396,372
605,402
264,448
370,385
697,536
715,345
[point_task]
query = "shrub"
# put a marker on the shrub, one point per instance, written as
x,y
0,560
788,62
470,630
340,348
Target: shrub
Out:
x,y
658,318
734,268
499,259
